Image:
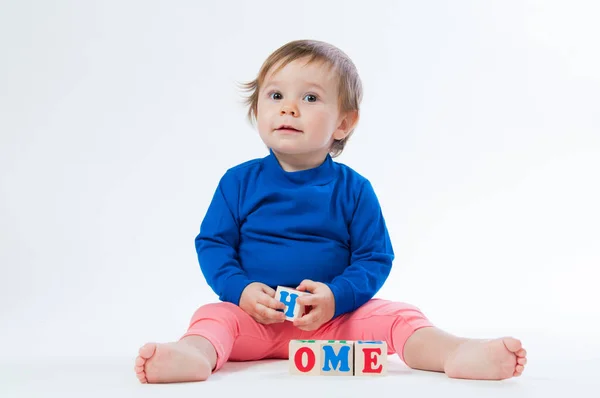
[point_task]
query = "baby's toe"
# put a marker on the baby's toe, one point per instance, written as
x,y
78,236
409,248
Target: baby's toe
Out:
x,y
512,344
147,351
140,363
141,376
521,353
522,361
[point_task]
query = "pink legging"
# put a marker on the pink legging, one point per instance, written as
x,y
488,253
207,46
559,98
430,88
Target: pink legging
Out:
x,y
238,337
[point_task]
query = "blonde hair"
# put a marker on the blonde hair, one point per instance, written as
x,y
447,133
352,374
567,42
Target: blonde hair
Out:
x,y
349,83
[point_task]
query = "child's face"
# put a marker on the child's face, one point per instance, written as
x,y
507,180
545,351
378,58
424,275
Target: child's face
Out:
x,y
305,98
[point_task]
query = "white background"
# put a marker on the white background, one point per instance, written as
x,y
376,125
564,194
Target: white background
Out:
x,y
480,132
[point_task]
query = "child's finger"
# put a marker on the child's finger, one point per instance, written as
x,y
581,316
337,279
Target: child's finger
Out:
x,y
307,285
268,290
271,302
307,319
278,305
269,313
309,300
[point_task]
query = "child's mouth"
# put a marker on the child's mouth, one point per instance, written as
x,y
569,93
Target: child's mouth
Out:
x,y
288,129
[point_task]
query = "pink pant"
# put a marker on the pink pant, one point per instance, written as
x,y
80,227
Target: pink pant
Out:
x,y
238,337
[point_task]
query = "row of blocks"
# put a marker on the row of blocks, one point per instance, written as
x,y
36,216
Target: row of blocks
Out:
x,y
330,357
337,358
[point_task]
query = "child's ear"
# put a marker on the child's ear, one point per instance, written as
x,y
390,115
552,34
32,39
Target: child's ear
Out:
x,y
346,124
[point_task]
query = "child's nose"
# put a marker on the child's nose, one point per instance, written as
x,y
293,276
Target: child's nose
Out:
x,y
288,110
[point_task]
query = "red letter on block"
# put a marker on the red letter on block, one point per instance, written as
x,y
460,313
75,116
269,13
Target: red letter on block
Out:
x,y
371,359
310,363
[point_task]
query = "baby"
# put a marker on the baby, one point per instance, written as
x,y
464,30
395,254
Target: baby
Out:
x,y
299,219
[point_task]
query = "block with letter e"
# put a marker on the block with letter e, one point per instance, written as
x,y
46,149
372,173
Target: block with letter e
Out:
x,y
288,297
370,358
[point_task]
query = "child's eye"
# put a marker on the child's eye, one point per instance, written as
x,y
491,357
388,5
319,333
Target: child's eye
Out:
x,y
276,96
310,98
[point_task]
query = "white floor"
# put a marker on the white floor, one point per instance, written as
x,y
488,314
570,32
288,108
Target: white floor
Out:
x,y
552,371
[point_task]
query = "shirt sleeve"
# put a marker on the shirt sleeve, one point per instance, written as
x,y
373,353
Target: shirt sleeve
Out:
x,y
371,255
218,240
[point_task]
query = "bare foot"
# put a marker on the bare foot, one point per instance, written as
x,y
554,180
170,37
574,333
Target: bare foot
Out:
x,y
497,359
171,363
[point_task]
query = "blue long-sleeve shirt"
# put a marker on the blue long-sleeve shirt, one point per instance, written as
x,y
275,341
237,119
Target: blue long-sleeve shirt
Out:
x,y
267,225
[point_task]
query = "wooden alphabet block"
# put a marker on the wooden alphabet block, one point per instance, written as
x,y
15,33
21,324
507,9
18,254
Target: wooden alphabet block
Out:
x,y
288,297
370,358
305,357
337,358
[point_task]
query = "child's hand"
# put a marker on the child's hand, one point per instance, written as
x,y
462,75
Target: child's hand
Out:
x,y
322,305
258,301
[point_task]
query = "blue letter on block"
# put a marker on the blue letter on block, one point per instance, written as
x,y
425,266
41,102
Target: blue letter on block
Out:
x,y
290,302
342,357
